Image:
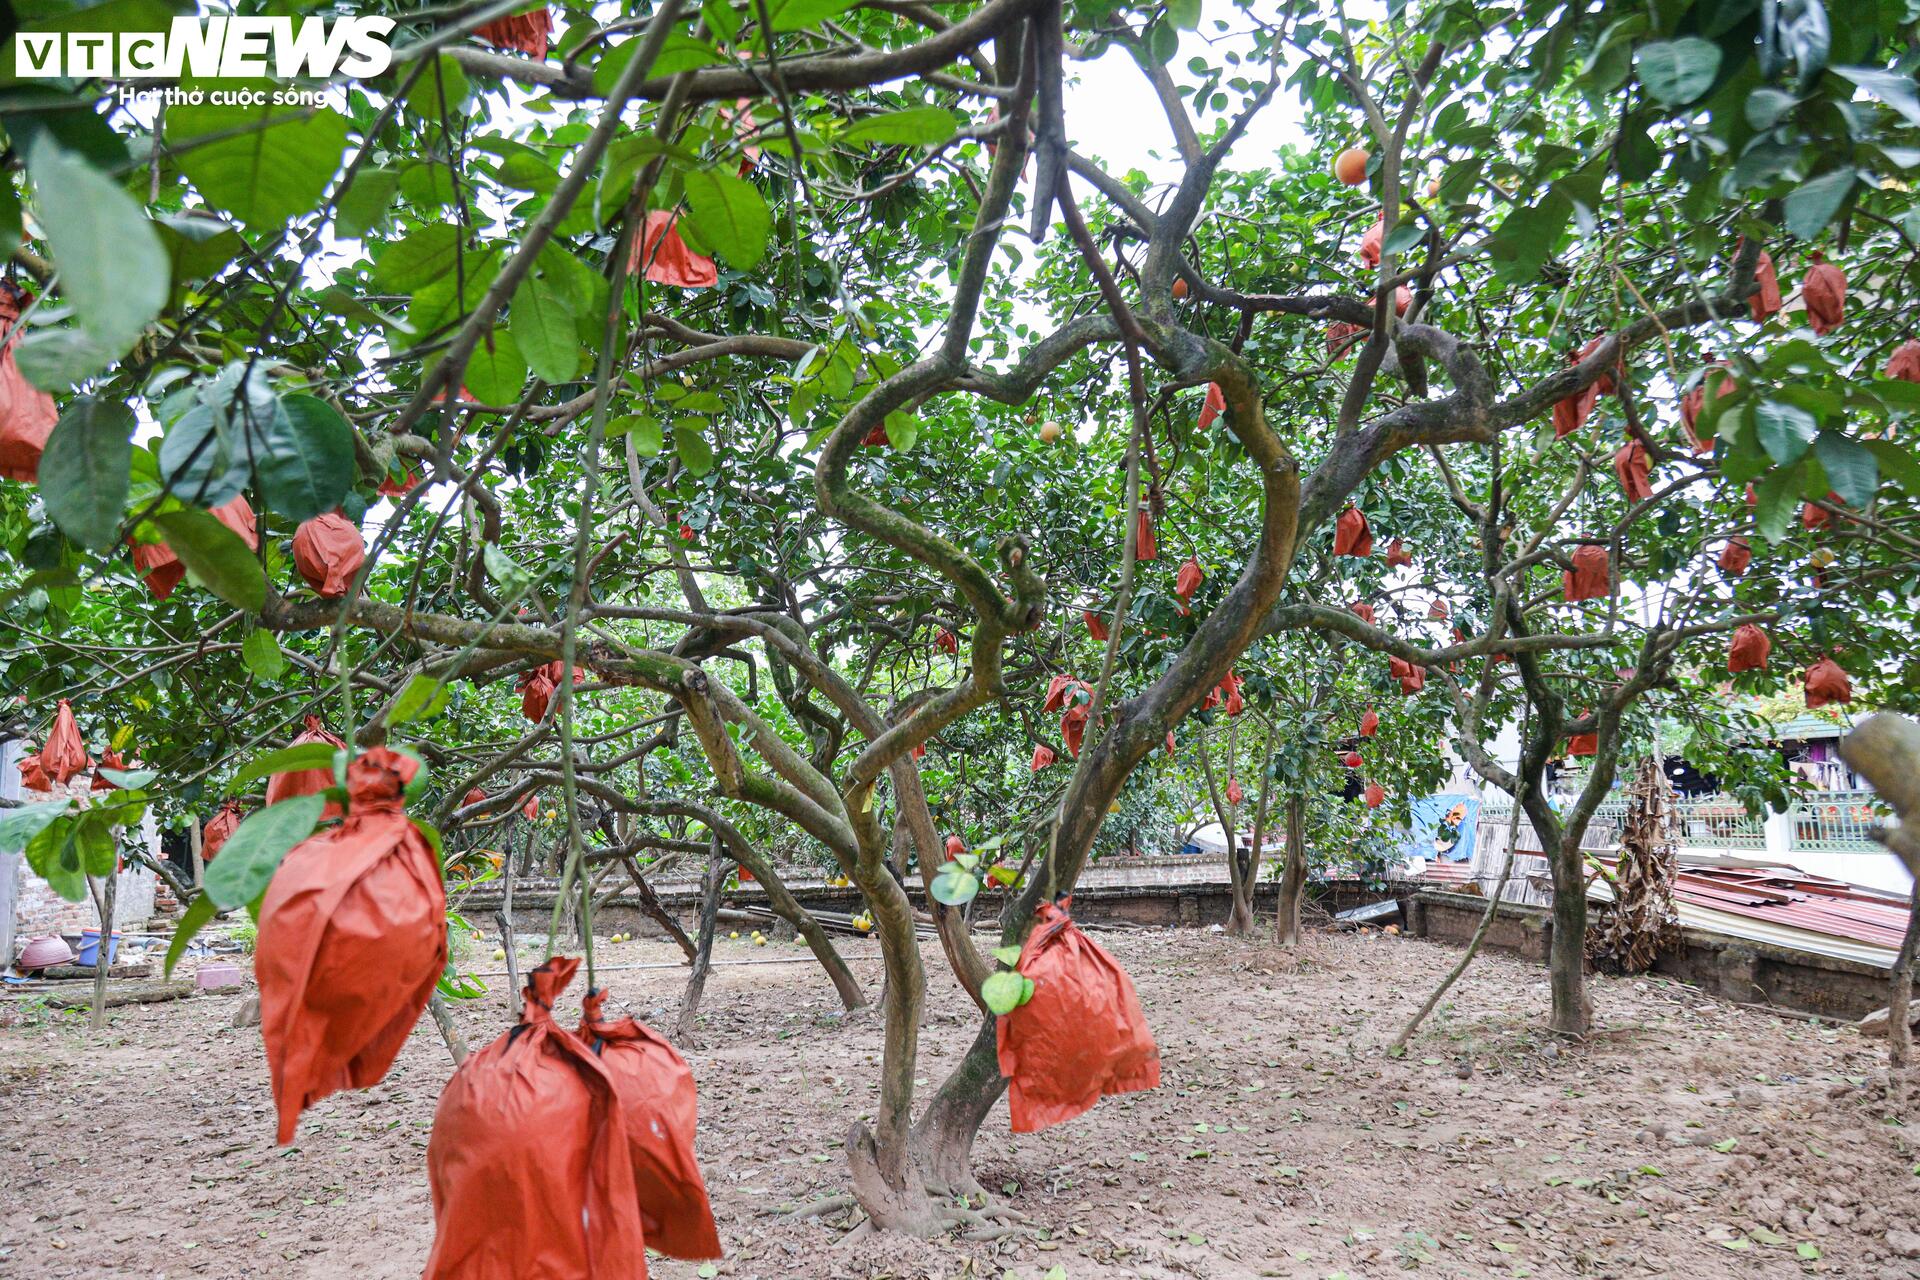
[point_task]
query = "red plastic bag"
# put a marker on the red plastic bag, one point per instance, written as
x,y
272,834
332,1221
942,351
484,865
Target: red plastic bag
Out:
x,y
1813,515
1735,557
1439,610
218,829
1096,625
1073,726
328,551
1230,691
1234,794
1369,723
155,561
353,937
526,32
473,797
1570,413
1590,578
529,1163
531,809
1063,691
1351,537
877,438
1633,467
1766,301
1170,749
665,258
1398,555
1376,795
32,776
1412,678
1827,683
1083,1035
65,754
1695,402
108,760
1352,759
536,694
1904,364
1749,649
1214,406
947,641
1584,744
956,845
1824,292
1188,581
307,782
1373,241
1339,332
661,1107
27,414
1362,610
1042,757
1144,546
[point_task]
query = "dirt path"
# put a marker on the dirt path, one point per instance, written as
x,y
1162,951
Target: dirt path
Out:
x,y
1692,1139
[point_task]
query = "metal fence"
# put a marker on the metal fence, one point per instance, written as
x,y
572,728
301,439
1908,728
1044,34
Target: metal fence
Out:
x,y
1820,822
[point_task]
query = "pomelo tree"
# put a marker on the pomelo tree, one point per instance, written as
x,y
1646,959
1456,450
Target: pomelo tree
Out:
x,y
707,362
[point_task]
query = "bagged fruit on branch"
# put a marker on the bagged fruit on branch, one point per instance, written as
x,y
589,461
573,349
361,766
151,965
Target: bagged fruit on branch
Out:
x,y
1082,1036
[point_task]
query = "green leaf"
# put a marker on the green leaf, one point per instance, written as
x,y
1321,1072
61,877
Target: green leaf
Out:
x,y
215,557
914,127
441,91
725,23
511,577
1898,464
903,430
1893,88
253,852
1812,204
1007,955
695,453
1774,501
306,465
1807,1251
954,886
1785,430
422,699
543,325
20,826
113,268
1851,467
192,921
497,371
795,15
260,652
363,206
86,469
62,853
1001,991
643,428
1678,71
308,755
266,165
425,255
1184,14
55,359
729,214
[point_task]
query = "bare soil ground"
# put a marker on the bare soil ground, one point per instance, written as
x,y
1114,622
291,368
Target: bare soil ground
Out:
x,y
1689,1138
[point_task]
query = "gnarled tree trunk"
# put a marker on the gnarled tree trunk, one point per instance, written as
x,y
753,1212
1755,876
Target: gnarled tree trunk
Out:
x,y
1293,875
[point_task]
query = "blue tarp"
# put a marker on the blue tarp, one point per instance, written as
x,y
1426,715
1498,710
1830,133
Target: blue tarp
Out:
x,y
1443,828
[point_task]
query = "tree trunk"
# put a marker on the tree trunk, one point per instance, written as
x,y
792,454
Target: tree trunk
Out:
x,y
886,1176
943,1140
1567,957
703,953
103,957
1900,997
1293,877
504,919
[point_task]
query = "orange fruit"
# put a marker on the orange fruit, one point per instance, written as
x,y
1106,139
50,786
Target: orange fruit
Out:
x,y
1350,166
1179,289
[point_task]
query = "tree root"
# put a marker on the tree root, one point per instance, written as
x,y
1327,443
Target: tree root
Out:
x,y
821,1208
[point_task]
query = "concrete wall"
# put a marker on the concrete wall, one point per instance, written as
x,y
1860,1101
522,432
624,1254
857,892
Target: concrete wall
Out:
x,y
1731,968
